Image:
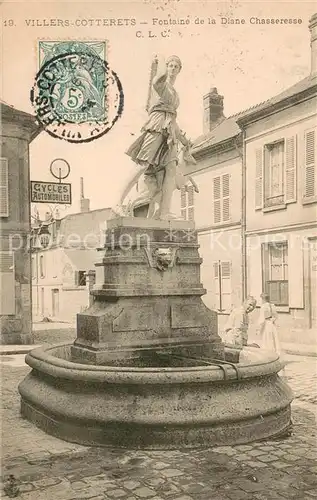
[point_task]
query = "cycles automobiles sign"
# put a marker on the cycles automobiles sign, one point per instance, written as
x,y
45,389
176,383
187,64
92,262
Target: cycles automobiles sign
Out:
x,y
51,192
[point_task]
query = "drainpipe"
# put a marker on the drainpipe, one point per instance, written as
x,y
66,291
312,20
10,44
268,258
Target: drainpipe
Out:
x,y
242,153
243,220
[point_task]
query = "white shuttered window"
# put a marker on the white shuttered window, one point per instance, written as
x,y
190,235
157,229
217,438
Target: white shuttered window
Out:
x,y
187,202
221,198
309,174
222,285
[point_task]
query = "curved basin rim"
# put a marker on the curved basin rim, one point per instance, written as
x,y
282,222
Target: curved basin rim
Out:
x,y
41,354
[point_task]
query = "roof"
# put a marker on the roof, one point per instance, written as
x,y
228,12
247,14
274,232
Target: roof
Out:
x,y
26,120
82,260
84,227
307,86
231,126
227,129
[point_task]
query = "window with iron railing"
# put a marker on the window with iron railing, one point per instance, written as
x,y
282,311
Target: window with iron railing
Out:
x,y
276,173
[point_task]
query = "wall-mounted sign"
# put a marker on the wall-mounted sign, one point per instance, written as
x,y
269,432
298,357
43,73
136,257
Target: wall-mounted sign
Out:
x,y
51,192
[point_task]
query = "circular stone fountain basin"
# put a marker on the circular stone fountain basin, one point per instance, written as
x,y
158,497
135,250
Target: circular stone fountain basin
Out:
x,y
184,403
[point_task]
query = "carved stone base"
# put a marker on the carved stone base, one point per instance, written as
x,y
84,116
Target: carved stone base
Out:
x,y
149,296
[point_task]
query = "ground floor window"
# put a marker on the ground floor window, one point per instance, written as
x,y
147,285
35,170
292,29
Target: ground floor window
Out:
x,y
222,288
275,272
80,278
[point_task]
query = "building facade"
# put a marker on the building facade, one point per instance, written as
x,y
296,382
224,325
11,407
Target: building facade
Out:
x,y
18,129
60,286
216,209
280,220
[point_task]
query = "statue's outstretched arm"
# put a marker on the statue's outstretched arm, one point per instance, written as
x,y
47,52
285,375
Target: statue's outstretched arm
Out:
x,y
159,83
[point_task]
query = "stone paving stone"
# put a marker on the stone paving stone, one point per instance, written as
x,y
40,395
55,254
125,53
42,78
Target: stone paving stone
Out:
x,y
160,465
171,472
78,485
118,493
247,485
44,483
266,458
26,487
184,497
255,463
266,448
235,494
279,453
156,481
131,485
243,447
268,495
280,465
241,457
153,498
255,452
194,488
168,489
144,492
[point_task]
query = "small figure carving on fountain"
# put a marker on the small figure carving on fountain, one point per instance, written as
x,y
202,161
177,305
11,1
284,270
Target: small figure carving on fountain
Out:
x,y
156,150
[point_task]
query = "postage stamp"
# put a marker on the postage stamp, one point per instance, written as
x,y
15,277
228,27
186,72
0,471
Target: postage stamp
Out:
x,y
76,96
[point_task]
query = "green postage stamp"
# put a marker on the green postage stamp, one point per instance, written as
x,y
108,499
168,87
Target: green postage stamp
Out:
x,y
76,96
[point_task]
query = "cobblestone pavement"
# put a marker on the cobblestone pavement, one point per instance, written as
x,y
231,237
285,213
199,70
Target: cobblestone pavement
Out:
x,y
50,469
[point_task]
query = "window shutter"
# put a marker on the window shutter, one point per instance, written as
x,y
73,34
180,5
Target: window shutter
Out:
x,y
226,285
217,199
216,286
254,273
226,197
7,278
225,269
216,270
258,178
265,267
290,170
76,278
296,272
183,202
309,165
191,196
4,188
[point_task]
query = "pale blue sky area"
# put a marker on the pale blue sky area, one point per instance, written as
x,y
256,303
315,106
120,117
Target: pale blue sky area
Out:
x,y
247,63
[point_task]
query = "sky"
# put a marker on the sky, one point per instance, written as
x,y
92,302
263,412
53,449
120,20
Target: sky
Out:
x,y
247,63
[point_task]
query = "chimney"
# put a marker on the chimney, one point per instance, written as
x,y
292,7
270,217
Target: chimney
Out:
x,y
84,202
213,110
313,44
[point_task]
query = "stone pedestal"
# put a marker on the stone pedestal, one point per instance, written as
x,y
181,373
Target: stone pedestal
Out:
x,y
148,297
